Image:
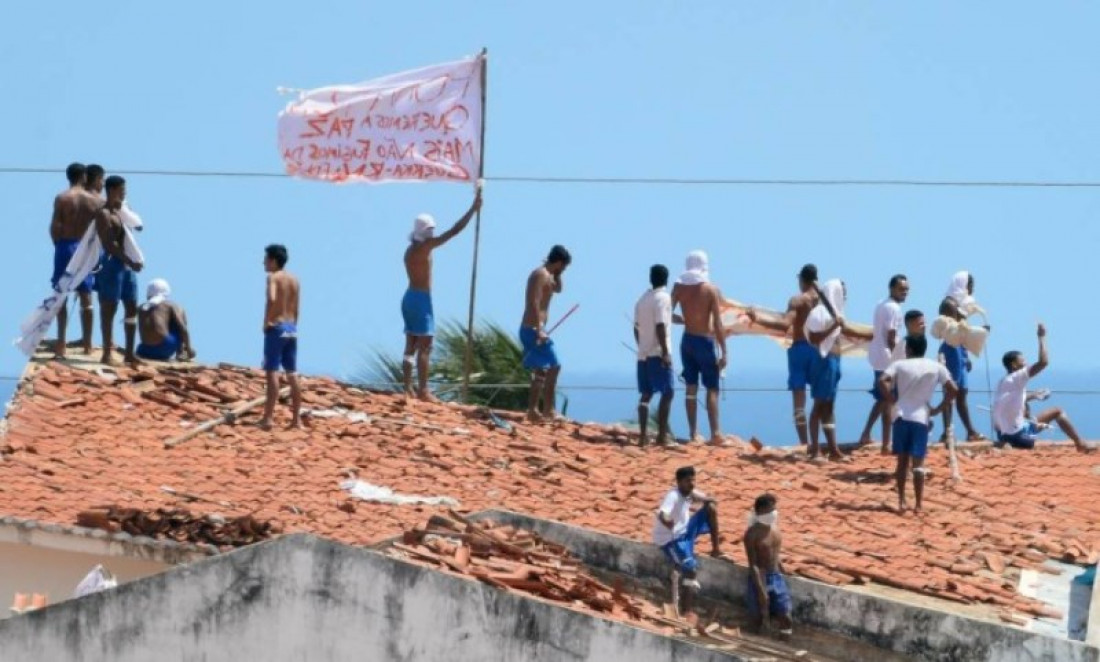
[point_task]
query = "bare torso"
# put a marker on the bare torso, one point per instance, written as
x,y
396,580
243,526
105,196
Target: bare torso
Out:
x,y
418,266
762,546
698,304
540,289
156,323
112,232
74,211
801,305
282,299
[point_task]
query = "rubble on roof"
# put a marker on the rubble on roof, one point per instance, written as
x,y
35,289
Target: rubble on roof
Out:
x,y
180,525
76,438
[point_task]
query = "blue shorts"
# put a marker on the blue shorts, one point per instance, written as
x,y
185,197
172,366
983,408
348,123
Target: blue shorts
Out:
x,y
681,550
800,361
115,281
536,356
281,347
910,438
874,387
700,358
1023,439
779,595
955,358
167,349
416,308
825,377
654,377
63,252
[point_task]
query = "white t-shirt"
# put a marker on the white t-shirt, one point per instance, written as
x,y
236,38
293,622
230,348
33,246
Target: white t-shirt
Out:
x,y
676,507
1008,408
653,308
916,380
888,317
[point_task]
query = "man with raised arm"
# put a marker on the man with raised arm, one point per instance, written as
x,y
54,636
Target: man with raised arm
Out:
x,y
800,355
653,334
117,277
887,346
416,305
1011,414
538,349
74,210
914,380
280,334
699,301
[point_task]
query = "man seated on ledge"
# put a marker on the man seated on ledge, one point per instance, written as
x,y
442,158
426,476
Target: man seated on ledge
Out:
x,y
163,326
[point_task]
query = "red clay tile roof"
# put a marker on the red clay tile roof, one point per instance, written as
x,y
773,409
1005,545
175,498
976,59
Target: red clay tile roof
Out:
x,y
76,440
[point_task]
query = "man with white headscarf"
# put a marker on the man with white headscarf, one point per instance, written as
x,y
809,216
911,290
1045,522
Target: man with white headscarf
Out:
x,y
767,594
162,324
957,304
699,301
416,305
824,327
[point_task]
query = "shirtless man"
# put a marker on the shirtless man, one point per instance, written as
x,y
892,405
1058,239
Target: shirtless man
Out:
x,y
887,346
416,306
116,278
957,359
93,179
699,301
280,334
74,210
767,594
538,349
162,326
800,355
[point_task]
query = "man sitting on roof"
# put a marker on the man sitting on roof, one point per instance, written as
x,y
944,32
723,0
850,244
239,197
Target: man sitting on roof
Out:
x,y
163,326
1011,416
675,529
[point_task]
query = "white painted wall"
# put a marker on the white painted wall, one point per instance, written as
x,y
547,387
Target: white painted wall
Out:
x,y
29,569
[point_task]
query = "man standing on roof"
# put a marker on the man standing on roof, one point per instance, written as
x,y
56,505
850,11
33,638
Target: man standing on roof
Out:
x,y
280,334
914,323
914,380
800,355
162,326
955,304
416,305
704,335
93,180
1011,415
538,349
117,276
74,210
767,594
675,529
886,347
652,332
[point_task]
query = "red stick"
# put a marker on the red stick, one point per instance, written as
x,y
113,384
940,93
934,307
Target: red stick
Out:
x,y
564,317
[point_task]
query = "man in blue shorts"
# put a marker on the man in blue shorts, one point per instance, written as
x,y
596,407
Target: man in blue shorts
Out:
x,y
280,334
117,277
1011,416
652,331
675,529
538,349
767,595
74,210
416,305
915,380
887,346
699,301
957,359
800,355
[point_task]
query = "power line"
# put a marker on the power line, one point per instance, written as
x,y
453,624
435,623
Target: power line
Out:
x,y
636,181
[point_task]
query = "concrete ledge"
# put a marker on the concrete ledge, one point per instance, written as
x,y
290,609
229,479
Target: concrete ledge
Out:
x,y
920,632
1092,632
99,542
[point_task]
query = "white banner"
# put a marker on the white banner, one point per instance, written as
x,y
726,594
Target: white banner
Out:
x,y
421,125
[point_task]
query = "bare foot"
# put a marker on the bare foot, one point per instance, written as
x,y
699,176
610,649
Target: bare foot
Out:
x,y
976,436
265,425
534,417
665,441
643,440
88,349
59,350
902,507
132,360
108,359
885,449
812,453
1086,448
428,396
835,456
718,441
295,425
697,439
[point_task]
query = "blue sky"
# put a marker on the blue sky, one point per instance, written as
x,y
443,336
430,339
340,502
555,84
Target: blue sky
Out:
x,y
938,90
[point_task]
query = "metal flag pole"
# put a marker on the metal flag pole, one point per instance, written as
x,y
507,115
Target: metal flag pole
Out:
x,y
468,359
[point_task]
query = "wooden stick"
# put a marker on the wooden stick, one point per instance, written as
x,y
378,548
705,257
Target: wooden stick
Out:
x,y
227,417
194,497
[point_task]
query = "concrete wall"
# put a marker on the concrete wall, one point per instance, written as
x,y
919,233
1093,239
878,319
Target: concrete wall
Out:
x,y
303,598
26,569
923,633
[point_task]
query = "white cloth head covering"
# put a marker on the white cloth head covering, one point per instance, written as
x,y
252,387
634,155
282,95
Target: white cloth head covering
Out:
x,y
423,228
696,269
958,290
156,293
769,520
820,319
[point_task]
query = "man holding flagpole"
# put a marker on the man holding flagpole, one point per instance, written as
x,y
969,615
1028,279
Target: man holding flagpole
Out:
x,y
416,305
